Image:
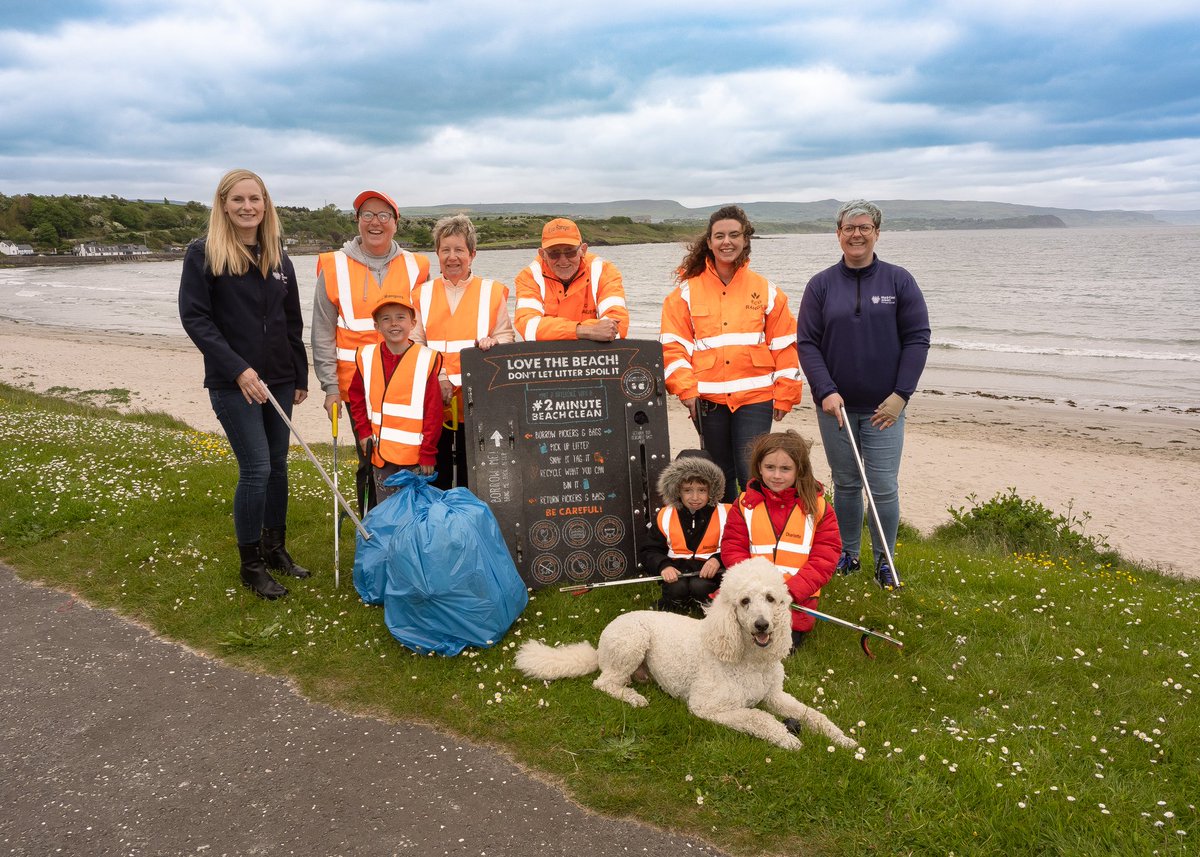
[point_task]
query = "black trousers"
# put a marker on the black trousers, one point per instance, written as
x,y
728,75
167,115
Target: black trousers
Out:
x,y
364,478
452,459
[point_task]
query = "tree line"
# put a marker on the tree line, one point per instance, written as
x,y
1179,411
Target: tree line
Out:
x,y
57,223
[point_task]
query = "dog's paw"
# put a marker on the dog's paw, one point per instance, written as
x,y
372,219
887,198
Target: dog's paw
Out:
x,y
789,741
846,743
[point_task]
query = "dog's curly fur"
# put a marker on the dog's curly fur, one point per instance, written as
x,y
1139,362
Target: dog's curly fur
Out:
x,y
721,666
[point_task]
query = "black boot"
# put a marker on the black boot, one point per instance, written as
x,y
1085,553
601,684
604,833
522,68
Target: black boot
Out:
x,y
255,574
276,555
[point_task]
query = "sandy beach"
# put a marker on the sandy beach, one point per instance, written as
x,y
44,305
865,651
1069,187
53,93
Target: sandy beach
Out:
x,y
1136,473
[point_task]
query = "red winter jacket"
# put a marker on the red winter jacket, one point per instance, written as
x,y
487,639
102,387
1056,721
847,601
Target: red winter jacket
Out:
x,y
822,557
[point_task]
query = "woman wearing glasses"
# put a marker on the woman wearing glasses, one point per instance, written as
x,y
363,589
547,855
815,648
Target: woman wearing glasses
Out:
x,y
863,337
728,345
349,282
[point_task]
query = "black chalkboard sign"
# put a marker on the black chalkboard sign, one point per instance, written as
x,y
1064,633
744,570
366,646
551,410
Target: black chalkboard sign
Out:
x,y
565,441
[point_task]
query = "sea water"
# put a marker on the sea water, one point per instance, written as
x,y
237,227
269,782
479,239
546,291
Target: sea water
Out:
x,y
1094,316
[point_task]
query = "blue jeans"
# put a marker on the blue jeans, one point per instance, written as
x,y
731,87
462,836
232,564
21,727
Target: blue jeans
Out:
x,y
259,439
728,436
880,451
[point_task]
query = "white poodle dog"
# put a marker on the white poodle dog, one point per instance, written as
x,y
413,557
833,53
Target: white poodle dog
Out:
x,y
722,665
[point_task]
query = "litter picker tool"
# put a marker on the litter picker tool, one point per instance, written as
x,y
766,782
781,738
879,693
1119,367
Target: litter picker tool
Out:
x,y
862,471
581,588
866,632
336,494
337,512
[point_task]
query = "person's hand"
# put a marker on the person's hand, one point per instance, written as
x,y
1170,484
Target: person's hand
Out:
x,y
670,574
778,414
710,568
832,405
332,404
300,396
253,389
603,330
691,404
426,469
888,412
447,391
365,445
486,343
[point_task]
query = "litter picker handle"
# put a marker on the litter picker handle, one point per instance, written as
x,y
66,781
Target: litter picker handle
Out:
x,y
342,500
866,632
862,471
580,588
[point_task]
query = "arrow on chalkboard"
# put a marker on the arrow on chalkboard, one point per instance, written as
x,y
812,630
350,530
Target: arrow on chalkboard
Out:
x,y
495,437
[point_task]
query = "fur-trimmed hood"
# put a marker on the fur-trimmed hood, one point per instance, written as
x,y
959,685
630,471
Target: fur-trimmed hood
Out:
x,y
689,468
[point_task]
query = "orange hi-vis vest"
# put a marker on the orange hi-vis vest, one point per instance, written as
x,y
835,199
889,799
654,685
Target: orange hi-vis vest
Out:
x,y
397,407
451,333
710,542
535,303
788,550
732,344
351,287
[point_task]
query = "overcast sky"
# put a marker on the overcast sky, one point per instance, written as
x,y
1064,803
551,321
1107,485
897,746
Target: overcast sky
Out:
x,y
1073,103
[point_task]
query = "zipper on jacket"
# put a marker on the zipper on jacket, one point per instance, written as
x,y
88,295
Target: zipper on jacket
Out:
x,y
858,292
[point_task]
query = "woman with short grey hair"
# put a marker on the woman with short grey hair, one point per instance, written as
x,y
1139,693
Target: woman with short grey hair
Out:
x,y
863,336
449,310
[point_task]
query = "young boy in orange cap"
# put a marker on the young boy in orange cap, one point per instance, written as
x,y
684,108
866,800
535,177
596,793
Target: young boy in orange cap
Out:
x,y
395,400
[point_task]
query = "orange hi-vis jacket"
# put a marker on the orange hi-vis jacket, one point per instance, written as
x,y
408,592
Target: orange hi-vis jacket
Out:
x,y
397,407
732,344
351,287
710,542
450,333
546,310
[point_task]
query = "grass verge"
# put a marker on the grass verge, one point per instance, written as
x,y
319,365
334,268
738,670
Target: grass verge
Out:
x,y
1043,702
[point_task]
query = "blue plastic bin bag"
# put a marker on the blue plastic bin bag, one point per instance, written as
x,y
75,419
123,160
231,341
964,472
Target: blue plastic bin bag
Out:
x,y
439,564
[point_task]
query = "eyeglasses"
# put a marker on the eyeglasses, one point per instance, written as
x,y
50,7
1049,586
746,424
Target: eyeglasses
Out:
x,y
865,229
554,254
381,216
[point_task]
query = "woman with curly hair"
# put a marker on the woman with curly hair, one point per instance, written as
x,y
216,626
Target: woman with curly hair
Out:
x,y
729,345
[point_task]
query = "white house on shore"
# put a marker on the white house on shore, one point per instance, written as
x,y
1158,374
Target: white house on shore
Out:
x,y
94,249
8,248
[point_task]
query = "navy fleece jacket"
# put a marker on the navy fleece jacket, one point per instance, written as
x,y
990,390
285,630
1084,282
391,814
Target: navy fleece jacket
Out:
x,y
243,321
862,333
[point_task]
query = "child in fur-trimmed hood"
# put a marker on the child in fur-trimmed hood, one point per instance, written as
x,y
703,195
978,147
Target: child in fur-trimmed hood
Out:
x,y
686,535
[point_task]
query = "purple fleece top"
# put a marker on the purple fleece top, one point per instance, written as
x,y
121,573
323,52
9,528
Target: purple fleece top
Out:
x,y
862,333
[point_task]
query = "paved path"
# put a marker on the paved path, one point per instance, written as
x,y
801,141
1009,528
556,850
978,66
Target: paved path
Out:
x,y
113,741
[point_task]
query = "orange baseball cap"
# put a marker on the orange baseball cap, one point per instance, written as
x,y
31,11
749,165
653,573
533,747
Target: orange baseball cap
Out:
x,y
561,231
393,298
375,194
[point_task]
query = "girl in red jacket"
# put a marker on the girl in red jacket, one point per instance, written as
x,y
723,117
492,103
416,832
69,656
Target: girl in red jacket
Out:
x,y
783,516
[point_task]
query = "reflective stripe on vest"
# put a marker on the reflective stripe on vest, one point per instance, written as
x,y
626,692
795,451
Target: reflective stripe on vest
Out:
x,y
535,271
734,340
788,550
396,407
355,327
710,543
487,296
347,316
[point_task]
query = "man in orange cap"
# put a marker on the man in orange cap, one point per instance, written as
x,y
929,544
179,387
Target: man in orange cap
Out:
x,y
569,293
349,283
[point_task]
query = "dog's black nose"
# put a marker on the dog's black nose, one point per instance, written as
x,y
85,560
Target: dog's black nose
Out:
x,y
762,626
